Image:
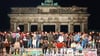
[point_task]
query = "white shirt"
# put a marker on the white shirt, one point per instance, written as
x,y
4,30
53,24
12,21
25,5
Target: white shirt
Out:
x,y
61,39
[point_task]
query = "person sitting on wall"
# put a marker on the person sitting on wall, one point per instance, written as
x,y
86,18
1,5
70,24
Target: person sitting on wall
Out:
x,y
73,45
59,46
79,47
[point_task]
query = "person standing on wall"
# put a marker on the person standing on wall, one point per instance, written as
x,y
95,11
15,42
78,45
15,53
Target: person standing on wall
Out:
x,y
45,47
7,46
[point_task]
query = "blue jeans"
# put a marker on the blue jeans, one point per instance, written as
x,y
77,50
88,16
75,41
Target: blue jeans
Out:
x,y
37,43
29,43
74,49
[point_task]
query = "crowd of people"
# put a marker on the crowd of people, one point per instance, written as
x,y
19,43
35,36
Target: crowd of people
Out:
x,y
17,41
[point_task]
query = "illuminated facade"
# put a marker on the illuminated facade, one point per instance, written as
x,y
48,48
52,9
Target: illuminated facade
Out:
x,y
49,16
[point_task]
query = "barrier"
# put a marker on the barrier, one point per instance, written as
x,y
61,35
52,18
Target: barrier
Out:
x,y
32,52
67,52
90,52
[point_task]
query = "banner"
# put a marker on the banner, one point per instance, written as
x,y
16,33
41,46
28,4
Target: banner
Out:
x,y
91,52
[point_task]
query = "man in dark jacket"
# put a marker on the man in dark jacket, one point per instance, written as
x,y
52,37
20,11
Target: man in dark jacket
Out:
x,y
44,47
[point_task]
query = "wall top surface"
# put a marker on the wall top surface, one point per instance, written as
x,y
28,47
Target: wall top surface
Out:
x,y
49,7
48,10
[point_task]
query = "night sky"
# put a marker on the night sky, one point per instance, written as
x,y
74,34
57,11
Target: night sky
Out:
x,y
93,9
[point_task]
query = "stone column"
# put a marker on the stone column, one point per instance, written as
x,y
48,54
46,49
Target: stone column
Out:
x,y
57,27
12,27
15,27
86,24
70,27
39,27
82,27
85,27
26,27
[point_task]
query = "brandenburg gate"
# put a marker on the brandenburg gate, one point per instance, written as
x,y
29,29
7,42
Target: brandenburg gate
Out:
x,y
49,16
